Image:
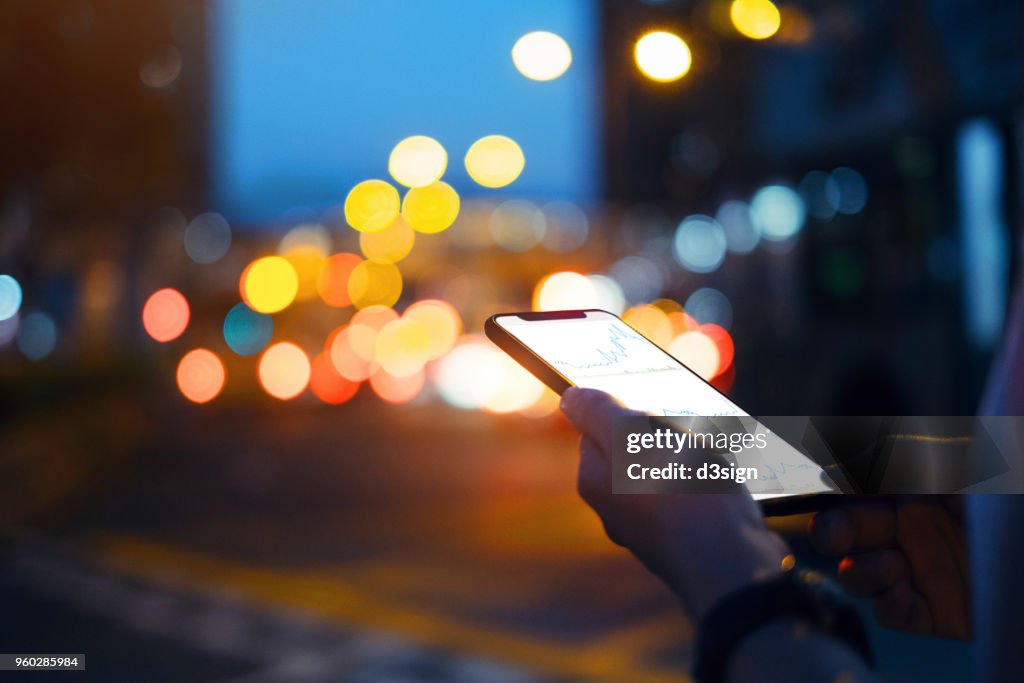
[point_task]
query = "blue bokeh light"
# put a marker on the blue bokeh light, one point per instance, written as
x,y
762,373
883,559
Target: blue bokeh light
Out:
x,y
246,331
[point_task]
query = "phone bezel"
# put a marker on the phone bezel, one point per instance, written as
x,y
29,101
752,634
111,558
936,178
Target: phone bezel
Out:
x,y
798,503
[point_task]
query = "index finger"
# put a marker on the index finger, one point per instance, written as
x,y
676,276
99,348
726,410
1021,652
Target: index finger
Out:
x,y
593,412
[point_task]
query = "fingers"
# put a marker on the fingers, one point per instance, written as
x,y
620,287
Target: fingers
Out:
x,y
861,526
592,412
903,608
594,480
873,572
937,554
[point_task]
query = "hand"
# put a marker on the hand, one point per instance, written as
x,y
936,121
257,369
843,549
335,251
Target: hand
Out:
x,y
703,545
909,554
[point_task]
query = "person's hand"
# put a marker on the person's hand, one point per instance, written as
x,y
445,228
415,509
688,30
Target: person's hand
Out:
x,y
703,545
909,554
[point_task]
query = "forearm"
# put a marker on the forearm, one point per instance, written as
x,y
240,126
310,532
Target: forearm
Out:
x,y
789,651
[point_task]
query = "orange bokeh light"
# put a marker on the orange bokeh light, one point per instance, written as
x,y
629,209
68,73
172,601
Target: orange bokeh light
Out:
x,y
284,370
332,282
396,389
345,360
329,386
165,315
200,375
723,340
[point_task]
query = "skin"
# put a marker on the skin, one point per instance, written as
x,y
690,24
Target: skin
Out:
x,y
907,553
704,546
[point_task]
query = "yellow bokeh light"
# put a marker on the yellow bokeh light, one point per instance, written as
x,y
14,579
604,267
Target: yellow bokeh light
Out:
x,y
269,284
392,244
663,56
417,160
495,161
441,322
652,322
308,262
756,19
564,291
698,352
402,348
432,208
284,370
371,205
541,55
374,283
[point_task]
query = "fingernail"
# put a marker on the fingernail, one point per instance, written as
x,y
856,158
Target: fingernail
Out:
x,y
569,400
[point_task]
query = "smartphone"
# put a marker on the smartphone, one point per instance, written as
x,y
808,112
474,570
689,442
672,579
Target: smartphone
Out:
x,y
598,350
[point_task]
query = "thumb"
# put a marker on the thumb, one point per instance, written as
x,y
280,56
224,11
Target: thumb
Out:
x,y
593,412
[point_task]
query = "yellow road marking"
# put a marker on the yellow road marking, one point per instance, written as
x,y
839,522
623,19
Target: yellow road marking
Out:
x,y
339,601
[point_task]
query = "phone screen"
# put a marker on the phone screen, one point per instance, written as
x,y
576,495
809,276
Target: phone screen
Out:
x,y
600,351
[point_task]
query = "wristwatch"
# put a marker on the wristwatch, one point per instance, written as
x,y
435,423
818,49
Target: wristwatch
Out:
x,y
799,594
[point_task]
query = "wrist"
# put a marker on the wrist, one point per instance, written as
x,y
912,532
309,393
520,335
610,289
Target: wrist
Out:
x,y
725,564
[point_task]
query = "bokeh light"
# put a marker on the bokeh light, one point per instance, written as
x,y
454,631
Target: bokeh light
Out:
x,y
247,332
269,284
284,370
346,361
567,226
440,321
698,352
708,305
756,19
327,384
515,390
308,262
641,278
392,244
207,238
432,208
853,190
332,281
307,236
723,342
37,336
371,205
402,347
10,297
541,55
699,244
663,56
165,315
200,375
652,322
495,161
820,193
360,337
466,374
741,237
609,294
374,283
564,291
417,161
397,389
9,329
517,225
777,212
